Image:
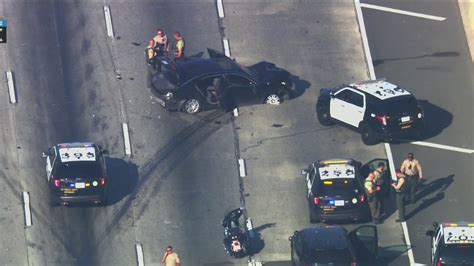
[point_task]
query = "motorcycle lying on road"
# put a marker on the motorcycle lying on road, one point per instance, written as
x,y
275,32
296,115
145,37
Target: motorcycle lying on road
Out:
x,y
235,237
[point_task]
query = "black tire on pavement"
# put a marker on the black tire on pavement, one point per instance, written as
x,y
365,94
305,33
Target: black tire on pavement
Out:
x,y
367,135
323,117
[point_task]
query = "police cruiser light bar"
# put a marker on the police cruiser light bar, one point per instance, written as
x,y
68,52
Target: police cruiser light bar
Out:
x,y
337,170
69,153
381,89
458,233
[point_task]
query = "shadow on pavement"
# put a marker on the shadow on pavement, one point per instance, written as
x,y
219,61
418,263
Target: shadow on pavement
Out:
x,y
123,178
255,238
439,185
389,254
378,62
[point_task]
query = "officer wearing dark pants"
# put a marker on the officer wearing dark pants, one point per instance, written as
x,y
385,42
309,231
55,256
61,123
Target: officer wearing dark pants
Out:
x,y
372,199
412,169
399,187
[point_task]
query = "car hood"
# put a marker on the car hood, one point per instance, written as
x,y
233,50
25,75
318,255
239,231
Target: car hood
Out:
x,y
268,73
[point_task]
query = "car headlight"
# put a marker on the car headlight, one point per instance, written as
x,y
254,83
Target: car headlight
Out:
x,y
169,95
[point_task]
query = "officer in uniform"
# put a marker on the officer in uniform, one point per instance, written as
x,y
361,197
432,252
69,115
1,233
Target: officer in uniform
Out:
x,y
399,187
179,46
372,199
412,169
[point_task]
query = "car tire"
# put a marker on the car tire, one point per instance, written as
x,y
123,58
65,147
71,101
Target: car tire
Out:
x,y
313,216
367,135
273,99
324,117
192,105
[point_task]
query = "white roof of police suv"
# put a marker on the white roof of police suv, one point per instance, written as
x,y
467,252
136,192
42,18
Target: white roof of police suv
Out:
x,y
77,152
458,233
381,89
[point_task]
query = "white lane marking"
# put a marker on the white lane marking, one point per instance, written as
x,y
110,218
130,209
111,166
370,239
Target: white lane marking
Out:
x,y
11,86
388,150
126,139
441,146
140,259
248,224
220,8
26,207
226,47
242,171
236,111
402,12
108,21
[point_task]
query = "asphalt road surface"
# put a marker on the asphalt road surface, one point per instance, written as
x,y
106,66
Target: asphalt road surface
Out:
x,y
430,58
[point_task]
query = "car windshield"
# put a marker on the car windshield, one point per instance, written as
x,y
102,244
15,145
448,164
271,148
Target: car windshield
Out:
x,y
340,186
329,257
457,254
399,105
78,169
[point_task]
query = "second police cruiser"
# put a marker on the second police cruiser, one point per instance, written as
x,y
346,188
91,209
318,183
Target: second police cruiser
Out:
x,y
452,244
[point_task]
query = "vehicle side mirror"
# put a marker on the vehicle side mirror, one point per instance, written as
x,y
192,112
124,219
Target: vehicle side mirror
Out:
x,y
331,94
435,224
430,233
45,154
290,238
105,152
304,171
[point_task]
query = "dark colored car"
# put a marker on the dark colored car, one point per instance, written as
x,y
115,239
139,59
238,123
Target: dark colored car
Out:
x,y
76,172
334,245
452,244
335,191
195,83
378,109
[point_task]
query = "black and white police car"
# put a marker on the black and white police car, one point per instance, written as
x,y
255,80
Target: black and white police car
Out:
x,y
76,172
452,244
335,191
378,109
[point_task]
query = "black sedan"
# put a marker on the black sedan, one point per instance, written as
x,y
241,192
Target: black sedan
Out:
x,y
335,191
334,245
218,82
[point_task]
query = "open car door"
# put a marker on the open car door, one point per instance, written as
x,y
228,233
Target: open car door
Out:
x,y
365,241
386,177
216,54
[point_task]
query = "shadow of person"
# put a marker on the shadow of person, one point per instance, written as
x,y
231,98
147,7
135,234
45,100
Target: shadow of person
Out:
x,y
388,254
425,203
255,238
440,184
299,86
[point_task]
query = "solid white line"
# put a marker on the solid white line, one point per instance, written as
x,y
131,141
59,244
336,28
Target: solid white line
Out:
x,y
441,146
388,150
365,41
126,138
248,224
11,86
108,21
140,260
402,12
236,111
26,206
242,171
226,47
220,8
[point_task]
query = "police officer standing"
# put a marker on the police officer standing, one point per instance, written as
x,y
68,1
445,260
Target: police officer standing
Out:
x,y
178,46
372,199
412,169
380,186
399,187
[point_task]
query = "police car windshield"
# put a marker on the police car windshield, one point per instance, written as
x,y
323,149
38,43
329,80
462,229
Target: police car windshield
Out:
x,y
400,105
78,169
329,257
457,254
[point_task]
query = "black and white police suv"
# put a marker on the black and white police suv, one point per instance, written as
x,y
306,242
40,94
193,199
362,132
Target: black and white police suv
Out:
x,y
334,245
335,191
378,109
76,172
452,244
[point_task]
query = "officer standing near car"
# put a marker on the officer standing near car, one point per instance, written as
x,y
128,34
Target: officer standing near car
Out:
x,y
412,169
374,203
380,186
178,46
399,187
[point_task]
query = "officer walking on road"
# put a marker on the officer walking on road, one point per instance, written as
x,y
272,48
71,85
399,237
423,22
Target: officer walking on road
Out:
x,y
372,199
412,169
170,258
399,187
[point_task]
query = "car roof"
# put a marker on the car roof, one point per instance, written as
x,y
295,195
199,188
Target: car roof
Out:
x,y
336,168
325,237
188,70
380,89
77,152
458,233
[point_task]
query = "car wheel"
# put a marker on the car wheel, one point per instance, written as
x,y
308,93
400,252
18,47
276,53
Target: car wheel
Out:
x,y
313,216
367,135
192,106
273,99
324,117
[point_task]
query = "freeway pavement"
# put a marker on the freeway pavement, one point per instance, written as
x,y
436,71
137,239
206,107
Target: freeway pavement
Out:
x,y
432,59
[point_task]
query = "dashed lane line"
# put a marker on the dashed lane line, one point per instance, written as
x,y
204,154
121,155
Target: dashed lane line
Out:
x,y
242,170
220,8
402,12
11,86
108,21
126,139
441,146
388,150
140,257
27,208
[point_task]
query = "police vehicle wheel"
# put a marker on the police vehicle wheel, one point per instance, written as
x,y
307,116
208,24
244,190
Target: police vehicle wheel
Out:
x,y
313,216
367,135
192,106
273,99
323,117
